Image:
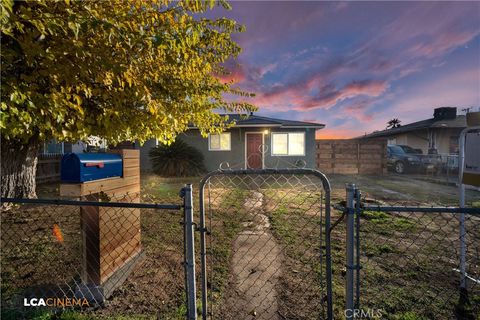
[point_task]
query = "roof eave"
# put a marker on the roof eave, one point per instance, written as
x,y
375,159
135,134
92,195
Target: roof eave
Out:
x,y
248,126
319,126
257,125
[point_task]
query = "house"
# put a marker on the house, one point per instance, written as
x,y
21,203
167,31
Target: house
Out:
x,y
54,147
437,135
254,142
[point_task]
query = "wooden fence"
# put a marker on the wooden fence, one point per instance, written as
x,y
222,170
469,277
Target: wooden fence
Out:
x,y
48,168
352,156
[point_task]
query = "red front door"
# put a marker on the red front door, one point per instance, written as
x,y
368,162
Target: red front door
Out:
x,y
254,151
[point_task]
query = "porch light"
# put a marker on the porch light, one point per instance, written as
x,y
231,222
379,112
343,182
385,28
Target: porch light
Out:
x,y
265,131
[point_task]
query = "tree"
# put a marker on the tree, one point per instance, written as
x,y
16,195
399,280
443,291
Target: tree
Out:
x,y
394,123
118,69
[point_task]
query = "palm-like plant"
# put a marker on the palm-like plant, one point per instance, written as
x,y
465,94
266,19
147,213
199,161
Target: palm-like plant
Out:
x,y
177,159
394,123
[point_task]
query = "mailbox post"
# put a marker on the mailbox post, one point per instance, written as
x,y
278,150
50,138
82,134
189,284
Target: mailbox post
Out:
x,y
111,236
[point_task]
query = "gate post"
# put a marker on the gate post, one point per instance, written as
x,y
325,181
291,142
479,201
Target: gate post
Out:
x,y
350,249
189,251
358,210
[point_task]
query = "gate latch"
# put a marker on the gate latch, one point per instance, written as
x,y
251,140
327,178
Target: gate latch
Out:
x,y
200,229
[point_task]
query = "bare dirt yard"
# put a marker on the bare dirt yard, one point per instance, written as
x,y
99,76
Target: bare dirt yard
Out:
x,y
407,189
33,257
408,259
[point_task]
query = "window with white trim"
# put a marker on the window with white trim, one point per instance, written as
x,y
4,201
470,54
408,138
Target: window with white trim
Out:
x,y
219,142
288,144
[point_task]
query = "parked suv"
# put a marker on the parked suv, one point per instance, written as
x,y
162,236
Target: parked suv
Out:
x,y
401,158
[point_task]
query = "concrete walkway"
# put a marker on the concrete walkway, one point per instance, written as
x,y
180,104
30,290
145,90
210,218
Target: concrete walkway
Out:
x,y
256,265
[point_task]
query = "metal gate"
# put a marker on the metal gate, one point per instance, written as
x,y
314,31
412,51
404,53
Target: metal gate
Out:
x,y
265,244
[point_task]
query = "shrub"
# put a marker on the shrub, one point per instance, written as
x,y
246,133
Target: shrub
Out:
x,y
177,159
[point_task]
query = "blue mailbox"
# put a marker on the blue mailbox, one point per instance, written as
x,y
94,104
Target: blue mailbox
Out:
x,y
81,167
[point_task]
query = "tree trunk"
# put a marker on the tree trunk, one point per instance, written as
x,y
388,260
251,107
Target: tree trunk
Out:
x,y
19,166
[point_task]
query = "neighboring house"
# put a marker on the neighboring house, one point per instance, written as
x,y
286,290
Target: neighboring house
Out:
x,y
438,135
53,147
254,142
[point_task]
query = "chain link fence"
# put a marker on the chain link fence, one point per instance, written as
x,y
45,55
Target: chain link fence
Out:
x,y
265,244
265,249
103,256
405,262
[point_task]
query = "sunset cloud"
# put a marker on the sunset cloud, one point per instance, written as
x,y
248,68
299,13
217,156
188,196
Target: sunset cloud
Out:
x,y
236,74
355,65
329,95
297,96
443,43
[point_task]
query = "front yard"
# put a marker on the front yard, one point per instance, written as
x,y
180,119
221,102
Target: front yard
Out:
x,y
407,258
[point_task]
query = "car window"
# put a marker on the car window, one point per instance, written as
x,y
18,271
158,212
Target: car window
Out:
x,y
396,149
408,149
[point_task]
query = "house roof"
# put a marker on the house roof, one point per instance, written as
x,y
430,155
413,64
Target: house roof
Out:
x,y
458,122
251,120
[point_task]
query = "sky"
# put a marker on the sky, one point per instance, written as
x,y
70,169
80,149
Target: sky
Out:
x,y
355,65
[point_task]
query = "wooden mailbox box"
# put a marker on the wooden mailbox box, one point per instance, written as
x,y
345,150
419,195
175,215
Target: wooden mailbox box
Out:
x,y
111,236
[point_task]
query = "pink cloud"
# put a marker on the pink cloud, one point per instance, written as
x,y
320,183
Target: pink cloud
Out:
x,y
308,73
366,87
330,96
237,75
246,76
443,43
458,89
419,35
297,96
357,111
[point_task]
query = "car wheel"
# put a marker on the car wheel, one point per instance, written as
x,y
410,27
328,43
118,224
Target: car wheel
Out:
x,y
399,167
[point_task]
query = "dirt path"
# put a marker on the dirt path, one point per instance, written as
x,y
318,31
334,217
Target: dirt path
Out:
x,y
256,266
